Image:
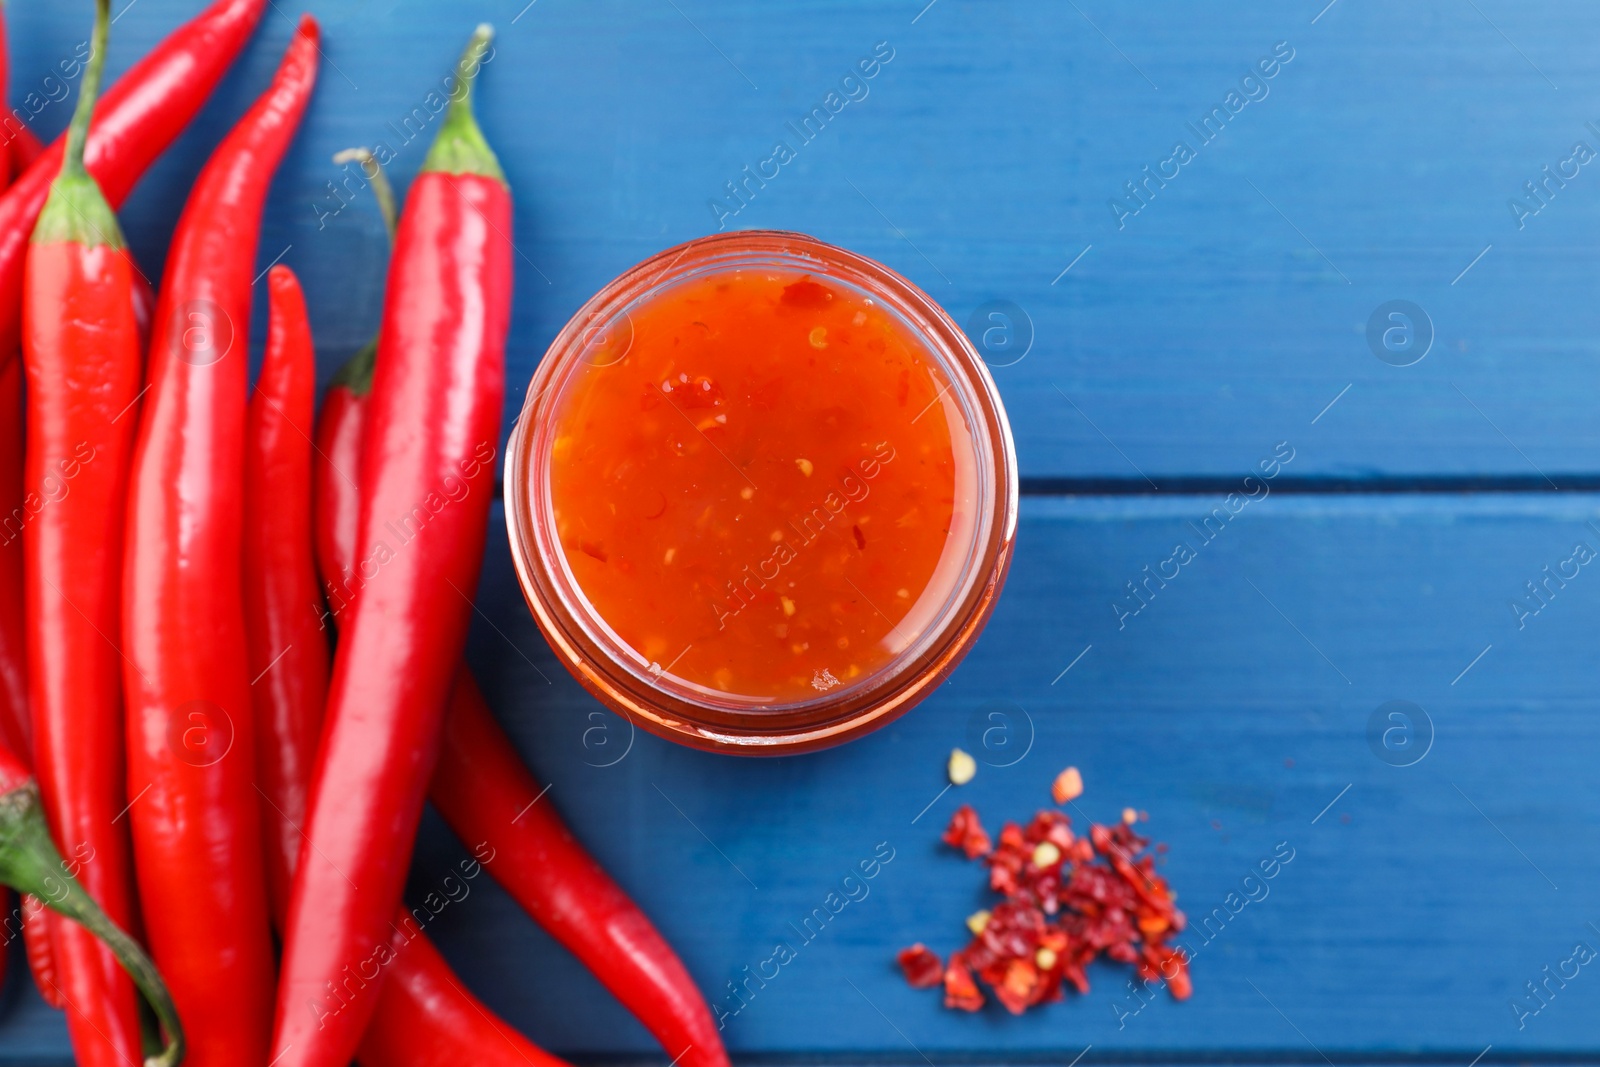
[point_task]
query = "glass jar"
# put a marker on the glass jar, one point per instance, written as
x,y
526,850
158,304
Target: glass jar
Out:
x,y
948,615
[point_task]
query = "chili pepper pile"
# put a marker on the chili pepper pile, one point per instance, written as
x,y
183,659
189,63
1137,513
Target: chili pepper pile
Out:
x,y
1066,900
234,694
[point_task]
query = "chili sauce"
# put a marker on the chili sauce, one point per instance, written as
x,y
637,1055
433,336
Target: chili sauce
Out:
x,y
762,485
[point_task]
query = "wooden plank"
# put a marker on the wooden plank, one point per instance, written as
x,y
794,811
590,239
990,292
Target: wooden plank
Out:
x,y
1235,708
31,1034
1224,316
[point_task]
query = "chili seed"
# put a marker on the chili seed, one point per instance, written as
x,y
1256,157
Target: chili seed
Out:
x,y
1067,786
962,767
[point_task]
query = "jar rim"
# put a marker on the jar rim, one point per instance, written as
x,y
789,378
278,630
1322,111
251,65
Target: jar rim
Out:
x,y
605,665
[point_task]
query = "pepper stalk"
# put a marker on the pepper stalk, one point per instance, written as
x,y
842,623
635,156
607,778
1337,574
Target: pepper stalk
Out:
x,y
355,374
77,209
460,147
30,863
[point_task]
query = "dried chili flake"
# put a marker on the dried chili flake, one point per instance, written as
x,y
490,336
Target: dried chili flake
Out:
x,y
960,991
966,833
1017,986
1067,899
922,967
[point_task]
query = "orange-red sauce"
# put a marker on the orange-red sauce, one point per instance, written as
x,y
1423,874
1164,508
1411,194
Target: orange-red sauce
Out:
x,y
757,484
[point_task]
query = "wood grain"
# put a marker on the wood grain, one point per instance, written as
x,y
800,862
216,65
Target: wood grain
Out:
x,y
1223,317
1236,709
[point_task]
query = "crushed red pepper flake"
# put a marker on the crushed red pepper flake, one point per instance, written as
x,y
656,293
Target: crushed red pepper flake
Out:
x,y
1067,899
960,991
922,966
966,833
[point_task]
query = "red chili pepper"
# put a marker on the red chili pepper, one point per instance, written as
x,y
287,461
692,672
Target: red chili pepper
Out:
x,y
30,864
480,786
140,115
84,370
487,795
336,498
15,727
427,482
14,732
191,747
288,647
424,1015
39,947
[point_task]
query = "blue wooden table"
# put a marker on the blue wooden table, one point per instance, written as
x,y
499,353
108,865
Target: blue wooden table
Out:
x,y
1180,233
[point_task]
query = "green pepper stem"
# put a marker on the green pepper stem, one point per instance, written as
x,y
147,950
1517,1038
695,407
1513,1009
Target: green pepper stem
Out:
x,y
356,372
78,131
460,147
30,863
76,210
373,171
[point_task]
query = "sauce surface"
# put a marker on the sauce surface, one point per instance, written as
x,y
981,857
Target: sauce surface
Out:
x,y
760,483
